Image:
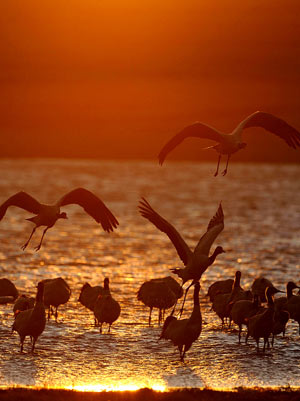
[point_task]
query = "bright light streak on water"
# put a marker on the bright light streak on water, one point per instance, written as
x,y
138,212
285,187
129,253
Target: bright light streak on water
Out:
x,y
261,236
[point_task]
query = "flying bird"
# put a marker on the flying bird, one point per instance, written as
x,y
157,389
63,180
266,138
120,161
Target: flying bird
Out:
x,y
227,144
47,215
195,262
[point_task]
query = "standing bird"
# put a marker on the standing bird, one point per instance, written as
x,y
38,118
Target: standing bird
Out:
x,y
184,332
293,303
88,296
106,309
219,287
261,325
281,303
8,291
223,303
23,303
47,215
259,286
231,143
31,322
244,309
161,293
57,292
195,262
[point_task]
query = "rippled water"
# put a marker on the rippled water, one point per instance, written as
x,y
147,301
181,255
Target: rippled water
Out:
x,y
261,236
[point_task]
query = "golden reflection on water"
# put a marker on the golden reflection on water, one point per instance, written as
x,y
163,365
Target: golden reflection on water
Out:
x,y
122,386
71,353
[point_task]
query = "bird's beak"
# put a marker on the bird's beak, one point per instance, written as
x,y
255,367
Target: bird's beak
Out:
x,y
276,290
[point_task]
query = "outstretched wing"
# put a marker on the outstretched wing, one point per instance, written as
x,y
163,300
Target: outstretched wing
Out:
x,y
197,130
92,205
182,249
275,125
214,228
22,200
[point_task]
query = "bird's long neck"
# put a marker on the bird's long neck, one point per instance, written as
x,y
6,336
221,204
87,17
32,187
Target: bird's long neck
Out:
x,y
212,257
270,300
289,292
40,294
196,314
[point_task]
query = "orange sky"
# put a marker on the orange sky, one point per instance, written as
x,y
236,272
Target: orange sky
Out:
x,y
107,78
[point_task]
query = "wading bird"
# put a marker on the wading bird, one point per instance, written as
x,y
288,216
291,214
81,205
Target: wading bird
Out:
x,y
161,293
56,292
47,215
106,309
31,322
244,309
88,296
184,332
195,262
261,325
227,144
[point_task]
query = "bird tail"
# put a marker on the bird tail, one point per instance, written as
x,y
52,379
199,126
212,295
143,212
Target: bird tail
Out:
x,y
168,320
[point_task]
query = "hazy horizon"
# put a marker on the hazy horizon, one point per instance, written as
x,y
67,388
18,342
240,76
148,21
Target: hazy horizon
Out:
x,y
113,80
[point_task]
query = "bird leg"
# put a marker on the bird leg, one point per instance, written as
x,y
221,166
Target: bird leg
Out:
x,y
225,171
159,316
40,244
33,344
219,159
100,328
186,291
27,242
150,316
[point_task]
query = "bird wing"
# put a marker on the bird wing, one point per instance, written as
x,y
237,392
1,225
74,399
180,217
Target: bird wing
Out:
x,y
214,228
92,205
22,200
273,124
163,225
198,130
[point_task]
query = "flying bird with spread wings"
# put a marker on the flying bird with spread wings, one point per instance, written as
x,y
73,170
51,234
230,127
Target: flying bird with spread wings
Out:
x,y
227,144
47,215
195,262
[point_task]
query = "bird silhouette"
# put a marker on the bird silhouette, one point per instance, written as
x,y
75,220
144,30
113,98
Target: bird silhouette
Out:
x,y
47,215
56,292
219,287
161,293
31,322
242,310
227,144
195,262
23,303
223,303
184,332
88,296
106,309
261,325
259,286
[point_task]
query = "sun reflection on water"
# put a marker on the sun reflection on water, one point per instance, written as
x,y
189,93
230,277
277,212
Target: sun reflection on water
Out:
x,y
132,386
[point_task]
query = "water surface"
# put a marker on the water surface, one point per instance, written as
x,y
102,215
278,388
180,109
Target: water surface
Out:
x,y
261,236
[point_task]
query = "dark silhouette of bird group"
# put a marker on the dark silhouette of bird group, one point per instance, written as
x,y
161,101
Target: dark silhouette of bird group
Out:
x,y
229,300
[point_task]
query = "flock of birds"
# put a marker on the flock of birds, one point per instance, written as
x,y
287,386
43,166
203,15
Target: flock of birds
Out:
x,y
229,300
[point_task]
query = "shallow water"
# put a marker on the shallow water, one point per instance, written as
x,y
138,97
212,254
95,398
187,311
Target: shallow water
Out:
x,y
261,236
